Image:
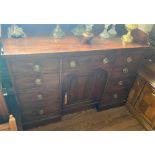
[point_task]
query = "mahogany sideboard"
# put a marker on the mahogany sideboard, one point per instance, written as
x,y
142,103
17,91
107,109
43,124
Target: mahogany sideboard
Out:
x,y
53,77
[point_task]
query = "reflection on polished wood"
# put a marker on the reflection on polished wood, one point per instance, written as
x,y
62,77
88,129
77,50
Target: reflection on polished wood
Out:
x,y
67,44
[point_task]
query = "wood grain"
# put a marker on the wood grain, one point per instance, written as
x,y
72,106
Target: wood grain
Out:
x,y
64,45
117,119
141,99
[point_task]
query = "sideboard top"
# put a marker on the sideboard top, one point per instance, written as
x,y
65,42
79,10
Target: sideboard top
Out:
x,y
67,44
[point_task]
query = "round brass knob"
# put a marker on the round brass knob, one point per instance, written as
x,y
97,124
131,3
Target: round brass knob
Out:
x,y
72,64
38,81
36,68
150,60
125,70
105,60
115,96
120,83
39,97
41,111
129,59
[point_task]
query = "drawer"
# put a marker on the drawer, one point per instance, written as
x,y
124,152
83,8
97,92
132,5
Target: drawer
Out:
x,y
44,105
105,60
35,114
115,84
149,56
34,64
85,62
47,81
115,97
124,71
79,62
39,97
130,58
38,104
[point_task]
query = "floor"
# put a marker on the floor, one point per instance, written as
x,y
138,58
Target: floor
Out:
x,y
116,119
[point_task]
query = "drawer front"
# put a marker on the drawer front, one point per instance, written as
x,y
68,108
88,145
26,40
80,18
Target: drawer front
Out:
x,y
78,62
47,81
145,105
34,110
136,90
37,97
33,64
39,103
119,83
85,62
105,60
38,113
115,97
130,58
124,71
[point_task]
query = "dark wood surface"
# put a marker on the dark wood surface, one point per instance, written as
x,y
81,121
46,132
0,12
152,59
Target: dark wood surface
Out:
x,y
145,105
54,77
68,44
141,99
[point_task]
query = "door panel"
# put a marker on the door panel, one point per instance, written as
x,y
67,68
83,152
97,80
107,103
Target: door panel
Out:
x,y
136,90
82,88
146,105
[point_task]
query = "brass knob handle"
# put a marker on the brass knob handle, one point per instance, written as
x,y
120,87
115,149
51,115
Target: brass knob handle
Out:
x,y
39,96
36,68
149,60
38,81
72,64
120,83
105,60
115,96
41,111
125,70
129,59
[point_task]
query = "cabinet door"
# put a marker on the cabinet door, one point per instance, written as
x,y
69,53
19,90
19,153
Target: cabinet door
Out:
x,y
145,105
136,90
83,88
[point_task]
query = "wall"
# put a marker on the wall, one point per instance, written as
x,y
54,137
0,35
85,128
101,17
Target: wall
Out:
x,y
145,27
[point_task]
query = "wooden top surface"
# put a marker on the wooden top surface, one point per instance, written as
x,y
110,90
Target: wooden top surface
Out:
x,y
67,44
